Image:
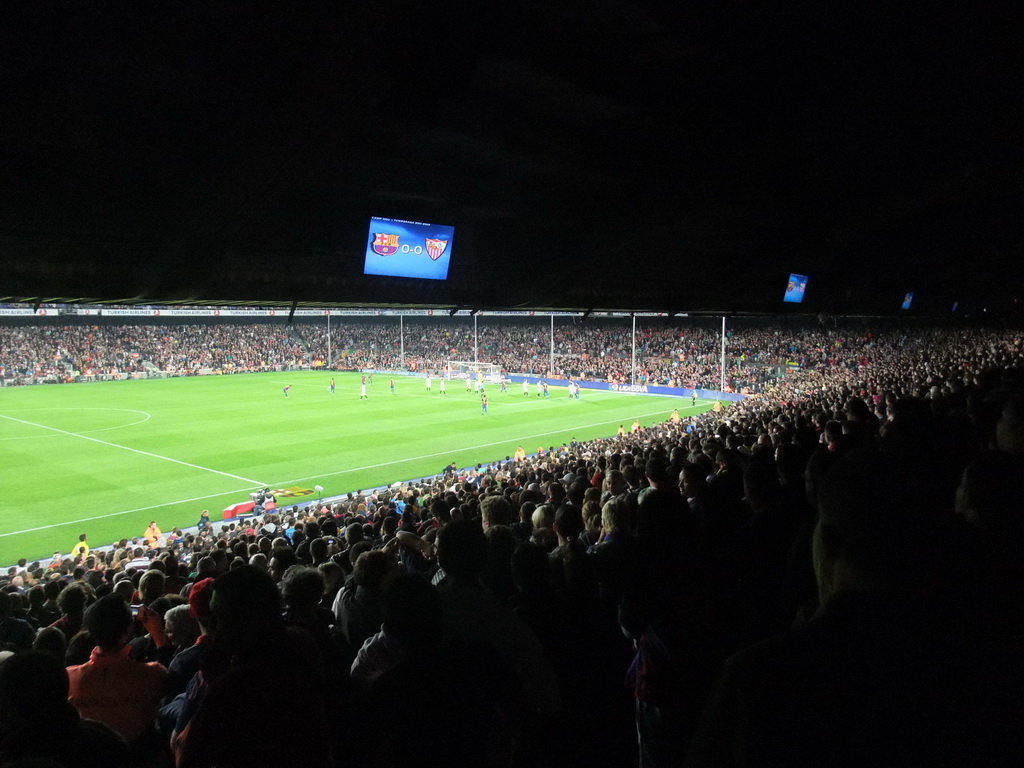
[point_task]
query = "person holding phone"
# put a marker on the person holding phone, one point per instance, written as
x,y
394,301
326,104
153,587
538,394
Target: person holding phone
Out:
x,y
112,688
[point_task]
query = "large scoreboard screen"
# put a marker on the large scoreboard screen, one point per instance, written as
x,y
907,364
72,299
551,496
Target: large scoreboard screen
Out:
x,y
398,248
795,287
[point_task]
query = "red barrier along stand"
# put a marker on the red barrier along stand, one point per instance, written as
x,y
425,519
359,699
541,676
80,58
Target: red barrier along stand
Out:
x,y
238,509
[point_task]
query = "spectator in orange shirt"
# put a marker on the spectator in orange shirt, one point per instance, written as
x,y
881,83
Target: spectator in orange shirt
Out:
x,y
152,534
113,689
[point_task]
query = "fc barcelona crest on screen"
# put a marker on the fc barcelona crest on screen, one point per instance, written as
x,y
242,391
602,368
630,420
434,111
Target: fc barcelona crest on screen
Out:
x,y
384,244
435,248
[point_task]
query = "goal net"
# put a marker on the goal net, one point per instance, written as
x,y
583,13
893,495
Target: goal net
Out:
x,y
461,369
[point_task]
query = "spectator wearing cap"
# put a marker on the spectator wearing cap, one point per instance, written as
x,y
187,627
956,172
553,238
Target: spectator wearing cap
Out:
x,y
113,689
206,567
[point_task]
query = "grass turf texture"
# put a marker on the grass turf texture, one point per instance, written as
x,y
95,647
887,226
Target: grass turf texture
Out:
x,y
106,458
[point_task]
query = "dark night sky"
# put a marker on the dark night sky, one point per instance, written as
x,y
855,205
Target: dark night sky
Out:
x,y
675,156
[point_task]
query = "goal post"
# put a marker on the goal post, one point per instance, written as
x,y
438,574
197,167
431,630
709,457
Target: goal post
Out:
x,y
462,369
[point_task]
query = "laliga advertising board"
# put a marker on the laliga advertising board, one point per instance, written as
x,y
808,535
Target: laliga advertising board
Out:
x,y
398,248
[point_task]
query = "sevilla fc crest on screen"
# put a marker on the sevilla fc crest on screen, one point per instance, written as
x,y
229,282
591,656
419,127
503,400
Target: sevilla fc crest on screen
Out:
x,y
384,244
435,247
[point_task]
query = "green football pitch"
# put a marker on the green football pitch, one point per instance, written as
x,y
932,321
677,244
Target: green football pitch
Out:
x,y
106,458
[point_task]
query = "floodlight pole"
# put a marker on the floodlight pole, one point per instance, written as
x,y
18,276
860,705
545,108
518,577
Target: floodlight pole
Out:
x,y
551,363
722,388
632,353
401,340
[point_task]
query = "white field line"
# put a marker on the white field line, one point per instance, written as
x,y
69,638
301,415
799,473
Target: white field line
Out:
x,y
285,483
125,512
133,450
88,431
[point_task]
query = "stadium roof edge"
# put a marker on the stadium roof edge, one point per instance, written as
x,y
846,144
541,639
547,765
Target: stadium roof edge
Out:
x,y
26,306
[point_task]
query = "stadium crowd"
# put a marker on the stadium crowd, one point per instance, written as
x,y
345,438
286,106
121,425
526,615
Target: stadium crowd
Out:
x,y
675,355
829,572
57,352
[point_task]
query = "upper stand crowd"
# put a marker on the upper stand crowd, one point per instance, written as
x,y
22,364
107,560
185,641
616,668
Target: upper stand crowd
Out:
x,y
683,356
